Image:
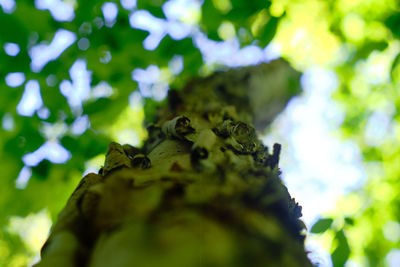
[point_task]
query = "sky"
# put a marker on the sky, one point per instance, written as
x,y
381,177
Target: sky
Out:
x,y
318,168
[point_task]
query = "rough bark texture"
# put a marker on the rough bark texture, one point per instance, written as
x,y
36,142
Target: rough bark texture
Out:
x,y
202,191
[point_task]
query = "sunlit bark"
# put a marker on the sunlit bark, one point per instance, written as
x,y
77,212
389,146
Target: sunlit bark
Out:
x,y
202,191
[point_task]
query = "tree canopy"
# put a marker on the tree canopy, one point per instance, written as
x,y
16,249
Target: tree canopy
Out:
x,y
75,75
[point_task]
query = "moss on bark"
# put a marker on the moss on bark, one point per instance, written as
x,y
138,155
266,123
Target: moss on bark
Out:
x,y
202,191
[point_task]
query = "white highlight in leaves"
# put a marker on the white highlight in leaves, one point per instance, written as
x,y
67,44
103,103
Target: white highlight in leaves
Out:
x,y
80,125
79,90
128,4
43,113
31,100
11,49
110,12
8,122
83,44
23,177
60,10
51,150
41,54
8,6
15,79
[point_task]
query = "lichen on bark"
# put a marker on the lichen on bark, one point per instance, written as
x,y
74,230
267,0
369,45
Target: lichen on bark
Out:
x,y
202,191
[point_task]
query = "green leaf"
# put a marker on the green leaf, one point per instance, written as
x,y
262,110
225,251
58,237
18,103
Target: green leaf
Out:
x,y
26,138
169,47
395,69
93,144
35,20
268,32
368,47
150,110
349,221
393,22
154,7
12,30
86,146
242,10
248,8
192,63
87,10
19,63
211,18
342,252
42,170
321,225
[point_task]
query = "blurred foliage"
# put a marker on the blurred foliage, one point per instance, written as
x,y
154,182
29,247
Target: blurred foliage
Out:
x,y
109,49
364,51
357,39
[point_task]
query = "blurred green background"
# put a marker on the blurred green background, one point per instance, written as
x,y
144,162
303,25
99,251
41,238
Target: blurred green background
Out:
x,y
76,74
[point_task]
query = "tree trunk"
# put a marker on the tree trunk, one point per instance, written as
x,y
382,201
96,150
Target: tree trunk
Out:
x,y
202,191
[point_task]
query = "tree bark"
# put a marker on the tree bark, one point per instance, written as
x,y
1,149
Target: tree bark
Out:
x,y
202,191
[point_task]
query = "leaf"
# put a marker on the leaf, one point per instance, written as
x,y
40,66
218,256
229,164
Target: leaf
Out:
x,y
87,10
247,8
393,22
368,47
342,252
10,168
192,63
349,221
42,170
395,69
150,110
27,137
242,10
19,63
321,225
154,7
35,20
87,145
268,32
104,111
169,47
211,18
12,30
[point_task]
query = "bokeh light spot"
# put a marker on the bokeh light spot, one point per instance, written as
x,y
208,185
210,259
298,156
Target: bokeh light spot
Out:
x,y
83,44
23,177
8,122
80,125
393,257
106,57
391,231
51,80
353,27
31,100
78,90
15,79
103,89
51,150
11,49
33,229
59,9
226,30
41,54
142,19
376,128
43,113
175,65
110,12
8,6
128,4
